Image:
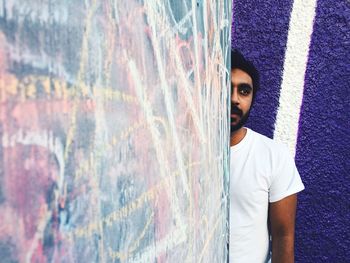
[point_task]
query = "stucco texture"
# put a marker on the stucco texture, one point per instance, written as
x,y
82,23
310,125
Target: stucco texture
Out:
x,y
324,138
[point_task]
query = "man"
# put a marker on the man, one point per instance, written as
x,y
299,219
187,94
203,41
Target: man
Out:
x,y
263,183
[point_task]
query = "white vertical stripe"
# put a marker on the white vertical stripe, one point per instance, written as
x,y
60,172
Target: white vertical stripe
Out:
x,y
298,43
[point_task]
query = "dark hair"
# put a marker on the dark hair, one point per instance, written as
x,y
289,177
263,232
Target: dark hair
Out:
x,y
240,62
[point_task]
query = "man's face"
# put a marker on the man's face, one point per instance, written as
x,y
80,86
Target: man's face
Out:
x,y
241,98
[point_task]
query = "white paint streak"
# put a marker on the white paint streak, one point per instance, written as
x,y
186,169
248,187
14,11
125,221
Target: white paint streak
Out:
x,y
179,27
167,96
173,239
163,164
189,98
197,62
39,12
298,43
210,236
38,236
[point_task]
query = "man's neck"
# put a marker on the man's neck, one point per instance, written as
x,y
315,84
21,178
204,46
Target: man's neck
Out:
x,y
237,136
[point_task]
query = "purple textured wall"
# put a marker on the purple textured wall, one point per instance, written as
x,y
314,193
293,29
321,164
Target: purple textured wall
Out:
x,y
260,30
323,148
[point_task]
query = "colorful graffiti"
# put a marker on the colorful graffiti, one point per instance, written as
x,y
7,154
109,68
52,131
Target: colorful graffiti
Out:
x,y
302,51
114,130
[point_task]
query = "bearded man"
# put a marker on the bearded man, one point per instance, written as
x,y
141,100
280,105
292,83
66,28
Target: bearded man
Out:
x,y
264,180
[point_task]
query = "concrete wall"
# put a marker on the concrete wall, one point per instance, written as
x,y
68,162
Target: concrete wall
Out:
x,y
114,130
302,49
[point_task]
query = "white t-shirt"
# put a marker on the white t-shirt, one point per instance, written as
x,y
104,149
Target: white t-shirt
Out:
x,y
262,171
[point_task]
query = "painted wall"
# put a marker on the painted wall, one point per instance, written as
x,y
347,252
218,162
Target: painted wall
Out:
x,y
302,49
114,130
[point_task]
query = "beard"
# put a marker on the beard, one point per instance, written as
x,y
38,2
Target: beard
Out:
x,y
241,122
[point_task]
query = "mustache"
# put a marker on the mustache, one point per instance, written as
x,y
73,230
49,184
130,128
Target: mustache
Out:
x,y
236,110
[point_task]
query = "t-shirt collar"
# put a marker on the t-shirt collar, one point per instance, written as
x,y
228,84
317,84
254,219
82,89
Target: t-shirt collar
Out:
x,y
243,142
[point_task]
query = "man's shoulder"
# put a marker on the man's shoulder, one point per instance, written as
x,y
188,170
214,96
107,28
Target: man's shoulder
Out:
x,y
268,144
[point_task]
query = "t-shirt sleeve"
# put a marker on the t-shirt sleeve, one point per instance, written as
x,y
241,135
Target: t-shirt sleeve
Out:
x,y
285,178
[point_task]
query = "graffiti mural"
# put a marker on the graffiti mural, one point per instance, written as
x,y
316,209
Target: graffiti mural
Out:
x,y
114,130
302,51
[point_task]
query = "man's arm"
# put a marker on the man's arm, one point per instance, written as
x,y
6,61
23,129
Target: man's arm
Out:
x,y
282,222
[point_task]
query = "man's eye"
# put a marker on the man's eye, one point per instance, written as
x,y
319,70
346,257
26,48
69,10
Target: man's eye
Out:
x,y
244,89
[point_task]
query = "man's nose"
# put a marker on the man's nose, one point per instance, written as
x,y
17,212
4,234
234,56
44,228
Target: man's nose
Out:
x,y
234,96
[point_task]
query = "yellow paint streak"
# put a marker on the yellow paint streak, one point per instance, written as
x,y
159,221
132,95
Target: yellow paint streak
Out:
x,y
31,91
8,86
60,90
90,229
192,223
186,87
155,18
125,255
46,85
80,84
210,237
87,165
163,163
